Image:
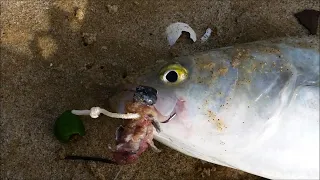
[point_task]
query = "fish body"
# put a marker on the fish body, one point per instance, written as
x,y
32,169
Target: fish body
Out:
x,y
252,107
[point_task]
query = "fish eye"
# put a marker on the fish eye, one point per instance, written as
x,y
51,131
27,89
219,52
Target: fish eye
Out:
x,y
173,74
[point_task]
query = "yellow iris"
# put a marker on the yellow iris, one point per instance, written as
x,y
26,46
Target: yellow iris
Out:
x,y
173,74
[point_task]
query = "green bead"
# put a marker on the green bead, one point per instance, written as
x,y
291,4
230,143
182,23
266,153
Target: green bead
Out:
x,y
68,125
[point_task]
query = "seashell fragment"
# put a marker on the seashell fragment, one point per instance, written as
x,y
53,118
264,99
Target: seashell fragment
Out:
x,y
175,30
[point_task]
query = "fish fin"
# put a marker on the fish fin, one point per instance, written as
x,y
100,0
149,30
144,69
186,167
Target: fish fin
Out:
x,y
309,19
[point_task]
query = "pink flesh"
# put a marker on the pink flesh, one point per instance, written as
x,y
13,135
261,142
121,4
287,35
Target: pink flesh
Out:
x,y
129,150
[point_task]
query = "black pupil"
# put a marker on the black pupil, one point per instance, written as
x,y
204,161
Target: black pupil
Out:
x,y
172,76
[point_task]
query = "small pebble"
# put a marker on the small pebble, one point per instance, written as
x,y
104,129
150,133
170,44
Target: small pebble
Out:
x,y
92,165
160,61
79,14
136,2
206,35
89,65
89,38
112,8
203,162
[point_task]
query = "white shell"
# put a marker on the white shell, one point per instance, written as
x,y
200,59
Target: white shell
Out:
x,y
206,35
174,31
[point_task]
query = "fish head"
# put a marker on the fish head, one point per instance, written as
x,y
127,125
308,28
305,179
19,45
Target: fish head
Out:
x,y
172,82
177,88
188,89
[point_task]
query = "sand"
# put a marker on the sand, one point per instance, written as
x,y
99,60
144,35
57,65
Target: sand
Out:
x,y
72,54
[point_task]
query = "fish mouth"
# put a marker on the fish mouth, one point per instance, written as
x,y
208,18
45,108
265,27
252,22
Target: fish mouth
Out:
x,y
165,119
166,106
166,103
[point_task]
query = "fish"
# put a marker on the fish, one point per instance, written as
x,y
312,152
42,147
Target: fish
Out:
x,y
252,106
